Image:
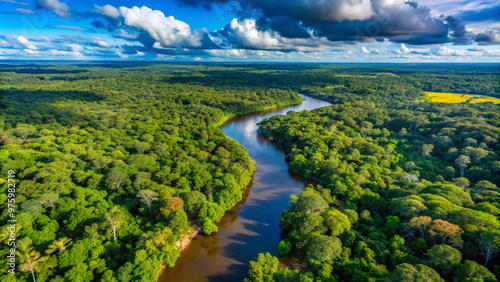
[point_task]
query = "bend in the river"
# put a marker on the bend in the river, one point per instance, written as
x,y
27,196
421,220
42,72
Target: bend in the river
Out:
x,y
252,226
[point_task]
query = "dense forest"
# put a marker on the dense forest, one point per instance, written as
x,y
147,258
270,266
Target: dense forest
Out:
x,y
407,190
115,162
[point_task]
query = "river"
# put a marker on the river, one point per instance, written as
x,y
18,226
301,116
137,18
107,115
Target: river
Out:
x,y
252,226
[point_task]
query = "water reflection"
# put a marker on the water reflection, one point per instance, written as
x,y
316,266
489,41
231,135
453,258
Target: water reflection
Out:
x,y
252,226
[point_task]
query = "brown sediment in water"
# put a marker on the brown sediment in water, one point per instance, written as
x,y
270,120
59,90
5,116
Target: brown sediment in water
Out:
x,y
252,226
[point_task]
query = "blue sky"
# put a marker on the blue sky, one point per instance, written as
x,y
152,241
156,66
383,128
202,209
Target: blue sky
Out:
x,y
252,30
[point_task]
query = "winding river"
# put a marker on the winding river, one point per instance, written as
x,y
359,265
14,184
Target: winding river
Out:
x,y
252,226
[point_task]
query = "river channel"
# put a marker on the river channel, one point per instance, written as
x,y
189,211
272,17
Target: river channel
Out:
x,y
252,226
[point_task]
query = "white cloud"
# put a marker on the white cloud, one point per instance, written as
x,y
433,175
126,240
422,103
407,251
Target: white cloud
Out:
x,y
65,53
364,50
445,51
31,52
102,43
69,27
122,33
492,53
26,43
246,34
61,9
476,49
168,31
5,44
455,7
25,11
15,2
340,10
403,50
107,10
75,47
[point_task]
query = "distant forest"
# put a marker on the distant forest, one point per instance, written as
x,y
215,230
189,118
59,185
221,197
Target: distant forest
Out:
x,y
115,162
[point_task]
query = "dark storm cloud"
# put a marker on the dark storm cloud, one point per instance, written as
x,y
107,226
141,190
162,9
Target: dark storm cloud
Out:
x,y
459,35
348,20
489,37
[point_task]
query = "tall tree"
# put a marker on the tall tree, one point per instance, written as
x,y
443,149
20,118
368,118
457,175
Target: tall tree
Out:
x,y
427,149
446,230
462,161
59,244
489,244
420,223
148,197
114,218
49,199
29,262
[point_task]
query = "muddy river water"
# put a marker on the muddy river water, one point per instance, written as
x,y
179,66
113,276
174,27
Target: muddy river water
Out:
x,y
252,226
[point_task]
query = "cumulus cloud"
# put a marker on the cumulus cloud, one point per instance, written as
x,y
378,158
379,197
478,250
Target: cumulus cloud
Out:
x,y
488,37
107,10
100,42
25,11
341,20
445,51
123,34
247,35
26,43
167,31
364,50
404,50
59,8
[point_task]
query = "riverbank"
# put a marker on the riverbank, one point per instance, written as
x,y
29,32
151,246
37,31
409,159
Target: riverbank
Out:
x,y
186,239
224,255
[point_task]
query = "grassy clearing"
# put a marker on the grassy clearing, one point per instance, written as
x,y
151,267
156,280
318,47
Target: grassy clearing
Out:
x,y
459,98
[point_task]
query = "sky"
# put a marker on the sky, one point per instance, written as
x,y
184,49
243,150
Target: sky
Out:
x,y
252,30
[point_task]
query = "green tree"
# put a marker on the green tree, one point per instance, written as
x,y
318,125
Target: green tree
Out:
x,y
427,150
421,223
30,261
472,271
59,244
114,218
462,161
489,244
443,258
414,273
264,269
115,179
284,247
25,130
48,199
148,197
336,222
309,202
324,248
